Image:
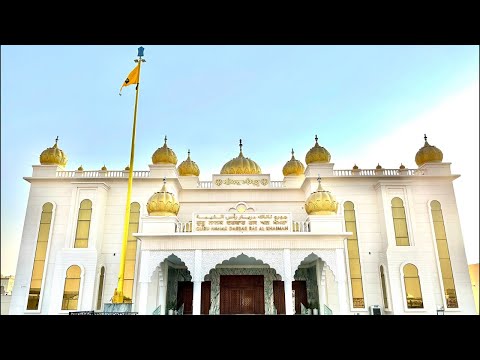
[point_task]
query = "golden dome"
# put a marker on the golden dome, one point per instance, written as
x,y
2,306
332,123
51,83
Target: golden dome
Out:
x,y
355,167
317,154
402,167
188,167
80,168
53,156
428,153
104,168
163,203
321,202
293,167
127,167
378,167
164,155
240,165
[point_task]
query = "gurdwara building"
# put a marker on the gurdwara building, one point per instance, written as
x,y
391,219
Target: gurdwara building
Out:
x,y
321,241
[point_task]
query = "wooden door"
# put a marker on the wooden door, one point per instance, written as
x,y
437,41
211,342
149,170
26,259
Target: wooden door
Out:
x,y
300,287
279,296
185,296
241,294
205,299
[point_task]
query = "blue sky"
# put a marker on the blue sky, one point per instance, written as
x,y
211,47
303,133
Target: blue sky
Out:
x,y
205,98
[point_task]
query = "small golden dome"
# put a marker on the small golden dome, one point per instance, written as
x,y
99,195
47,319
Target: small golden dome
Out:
x,y
379,167
355,167
321,202
80,168
164,155
53,156
293,167
402,167
163,203
188,167
428,153
104,168
127,167
241,165
317,154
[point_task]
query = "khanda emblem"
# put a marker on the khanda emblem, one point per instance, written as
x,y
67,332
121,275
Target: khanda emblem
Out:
x,y
127,80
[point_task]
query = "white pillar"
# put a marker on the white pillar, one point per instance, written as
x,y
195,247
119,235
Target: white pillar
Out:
x,y
142,301
340,278
197,295
197,282
321,298
161,291
324,292
287,281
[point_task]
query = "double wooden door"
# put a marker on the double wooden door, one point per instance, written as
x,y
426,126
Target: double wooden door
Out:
x,y
300,288
242,294
185,296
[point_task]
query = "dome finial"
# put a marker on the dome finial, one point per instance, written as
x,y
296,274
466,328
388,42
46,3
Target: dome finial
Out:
x,y
317,154
240,165
428,153
319,179
163,203
164,187
188,167
321,202
53,155
164,155
293,167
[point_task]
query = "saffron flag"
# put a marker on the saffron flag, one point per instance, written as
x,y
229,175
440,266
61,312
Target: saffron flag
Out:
x,y
132,78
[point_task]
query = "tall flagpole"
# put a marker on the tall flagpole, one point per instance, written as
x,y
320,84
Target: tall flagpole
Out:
x,y
118,294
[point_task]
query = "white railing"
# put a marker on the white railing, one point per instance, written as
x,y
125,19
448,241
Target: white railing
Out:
x,y
182,227
301,226
114,173
342,172
375,172
100,173
205,184
65,173
209,184
276,184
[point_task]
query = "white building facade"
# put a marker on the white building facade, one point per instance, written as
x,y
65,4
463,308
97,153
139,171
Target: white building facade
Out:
x,y
321,240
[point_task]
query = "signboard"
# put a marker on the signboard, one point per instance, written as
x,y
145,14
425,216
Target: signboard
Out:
x,y
241,181
245,222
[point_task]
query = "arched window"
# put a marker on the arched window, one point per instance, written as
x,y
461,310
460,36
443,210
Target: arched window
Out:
x,y
83,224
129,274
444,255
71,288
413,290
400,222
40,257
100,288
354,256
384,288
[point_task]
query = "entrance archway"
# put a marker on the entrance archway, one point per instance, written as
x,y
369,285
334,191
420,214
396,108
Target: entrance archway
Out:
x,y
314,287
240,285
175,286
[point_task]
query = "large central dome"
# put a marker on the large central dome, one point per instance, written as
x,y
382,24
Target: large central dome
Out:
x,y
241,165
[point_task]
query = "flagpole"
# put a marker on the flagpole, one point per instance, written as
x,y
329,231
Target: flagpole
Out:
x,y
118,297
